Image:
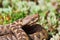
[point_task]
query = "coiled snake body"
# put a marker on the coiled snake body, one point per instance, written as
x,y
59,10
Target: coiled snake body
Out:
x,y
15,28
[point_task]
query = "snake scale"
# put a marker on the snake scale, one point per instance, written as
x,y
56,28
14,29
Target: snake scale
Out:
x,y
17,29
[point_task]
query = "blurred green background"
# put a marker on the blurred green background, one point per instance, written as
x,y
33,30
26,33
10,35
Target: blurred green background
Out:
x,y
49,11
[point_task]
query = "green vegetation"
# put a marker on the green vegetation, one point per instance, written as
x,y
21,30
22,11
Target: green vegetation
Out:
x,y
49,12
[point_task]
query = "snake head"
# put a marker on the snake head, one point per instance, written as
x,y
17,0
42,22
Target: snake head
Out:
x,y
30,19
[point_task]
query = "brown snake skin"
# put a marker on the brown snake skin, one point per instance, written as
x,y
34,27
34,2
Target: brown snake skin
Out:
x,y
36,32
8,37
23,30
16,29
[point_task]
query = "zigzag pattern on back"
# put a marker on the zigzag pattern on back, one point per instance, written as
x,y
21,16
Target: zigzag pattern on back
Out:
x,y
4,29
8,37
15,27
18,33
